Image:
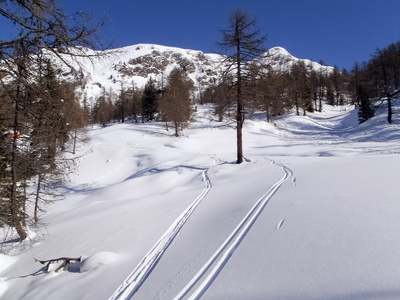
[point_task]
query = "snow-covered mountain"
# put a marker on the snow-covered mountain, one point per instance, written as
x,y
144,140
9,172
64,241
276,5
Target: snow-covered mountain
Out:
x,y
136,64
279,59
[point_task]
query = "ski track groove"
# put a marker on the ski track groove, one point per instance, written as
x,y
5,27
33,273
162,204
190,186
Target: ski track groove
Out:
x,y
229,246
134,280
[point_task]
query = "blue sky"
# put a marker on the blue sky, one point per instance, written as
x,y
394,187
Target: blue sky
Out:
x,y
339,32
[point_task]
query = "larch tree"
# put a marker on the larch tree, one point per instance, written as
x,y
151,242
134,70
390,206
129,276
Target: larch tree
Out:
x,y
243,41
377,81
49,132
386,63
103,109
175,105
43,31
133,95
272,91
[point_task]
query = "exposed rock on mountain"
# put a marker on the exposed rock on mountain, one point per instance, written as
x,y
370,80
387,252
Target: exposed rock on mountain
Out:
x,y
134,65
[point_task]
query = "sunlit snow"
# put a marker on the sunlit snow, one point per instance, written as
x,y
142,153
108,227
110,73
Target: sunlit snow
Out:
x,y
313,214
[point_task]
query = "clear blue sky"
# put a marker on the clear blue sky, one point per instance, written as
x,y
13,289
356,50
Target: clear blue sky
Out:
x,y
339,32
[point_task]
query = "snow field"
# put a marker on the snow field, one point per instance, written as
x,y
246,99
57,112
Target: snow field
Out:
x,y
327,226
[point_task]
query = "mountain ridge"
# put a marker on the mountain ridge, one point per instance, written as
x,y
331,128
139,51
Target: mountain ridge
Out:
x,y
134,65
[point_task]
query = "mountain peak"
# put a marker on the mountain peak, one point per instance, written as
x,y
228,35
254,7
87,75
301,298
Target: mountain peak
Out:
x,y
275,51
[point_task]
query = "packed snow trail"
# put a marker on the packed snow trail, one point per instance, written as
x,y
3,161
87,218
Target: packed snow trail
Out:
x,y
133,282
228,247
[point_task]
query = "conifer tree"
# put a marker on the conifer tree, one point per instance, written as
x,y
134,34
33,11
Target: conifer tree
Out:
x,y
35,100
245,41
175,106
149,101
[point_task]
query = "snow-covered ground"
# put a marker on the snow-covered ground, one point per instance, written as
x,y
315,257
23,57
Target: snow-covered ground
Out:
x,y
314,214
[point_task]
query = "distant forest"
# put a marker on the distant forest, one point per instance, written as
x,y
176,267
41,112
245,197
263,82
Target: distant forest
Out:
x,y
272,92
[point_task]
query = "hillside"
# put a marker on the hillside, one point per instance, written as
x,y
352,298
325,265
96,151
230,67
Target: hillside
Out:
x,y
312,215
135,64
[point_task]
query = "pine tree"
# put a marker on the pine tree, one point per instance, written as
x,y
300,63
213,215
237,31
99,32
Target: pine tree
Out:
x,y
361,93
149,101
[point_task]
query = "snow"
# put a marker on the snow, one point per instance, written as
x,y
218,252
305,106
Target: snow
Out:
x,y
314,214
132,66
102,70
280,59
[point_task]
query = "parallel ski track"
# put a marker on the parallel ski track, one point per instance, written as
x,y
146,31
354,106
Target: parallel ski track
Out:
x,y
133,282
228,247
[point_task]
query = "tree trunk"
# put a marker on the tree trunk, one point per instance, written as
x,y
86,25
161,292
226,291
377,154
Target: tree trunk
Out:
x,y
74,146
24,204
240,108
296,102
320,104
176,128
36,218
390,111
16,214
239,121
268,115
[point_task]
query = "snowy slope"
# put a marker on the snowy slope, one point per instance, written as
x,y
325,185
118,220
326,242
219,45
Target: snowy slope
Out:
x,y
134,65
313,215
280,59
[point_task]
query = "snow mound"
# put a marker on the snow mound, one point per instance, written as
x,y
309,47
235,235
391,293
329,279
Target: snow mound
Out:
x,y
97,260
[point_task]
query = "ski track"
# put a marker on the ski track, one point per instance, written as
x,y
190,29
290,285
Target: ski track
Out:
x,y
228,247
133,282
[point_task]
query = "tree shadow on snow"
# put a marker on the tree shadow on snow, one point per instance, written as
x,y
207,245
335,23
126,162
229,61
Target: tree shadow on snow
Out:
x,y
362,295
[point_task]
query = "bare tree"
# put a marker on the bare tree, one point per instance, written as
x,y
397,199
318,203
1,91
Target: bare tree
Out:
x,y
388,85
245,41
272,93
300,88
377,81
103,110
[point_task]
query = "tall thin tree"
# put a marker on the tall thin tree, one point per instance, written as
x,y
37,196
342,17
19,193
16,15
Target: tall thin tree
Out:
x,y
243,38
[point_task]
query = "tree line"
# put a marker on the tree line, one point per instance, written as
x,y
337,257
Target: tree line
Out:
x,y
376,82
169,102
39,111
